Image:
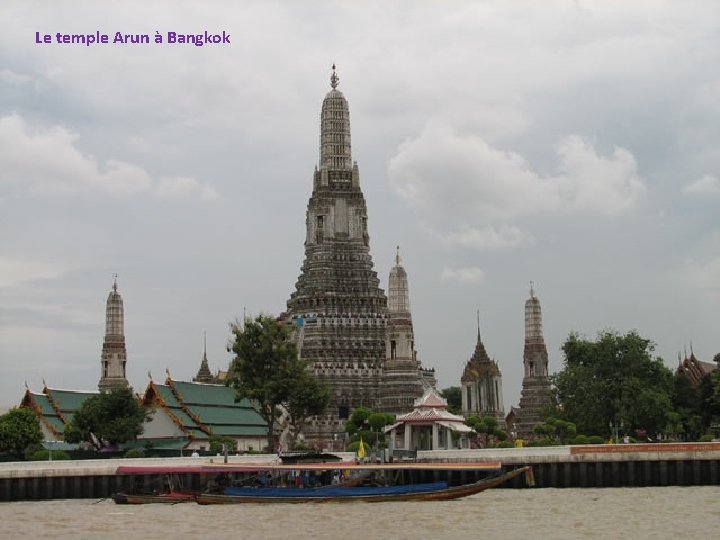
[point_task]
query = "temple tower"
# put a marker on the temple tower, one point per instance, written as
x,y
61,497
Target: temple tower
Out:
x,y
338,308
204,375
114,356
481,384
402,380
535,395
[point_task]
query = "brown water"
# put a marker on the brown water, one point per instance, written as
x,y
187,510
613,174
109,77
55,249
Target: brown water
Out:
x,y
552,514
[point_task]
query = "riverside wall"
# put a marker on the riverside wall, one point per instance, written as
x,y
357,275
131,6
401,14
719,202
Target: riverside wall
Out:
x,y
621,465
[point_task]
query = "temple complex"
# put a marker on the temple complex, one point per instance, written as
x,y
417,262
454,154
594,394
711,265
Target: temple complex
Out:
x,y
339,311
535,394
114,355
481,385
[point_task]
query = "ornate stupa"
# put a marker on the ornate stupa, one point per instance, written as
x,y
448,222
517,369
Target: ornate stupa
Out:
x,y
338,308
114,355
204,375
535,394
402,380
482,385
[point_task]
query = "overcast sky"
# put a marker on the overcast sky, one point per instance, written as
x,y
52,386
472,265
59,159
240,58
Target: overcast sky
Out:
x,y
574,144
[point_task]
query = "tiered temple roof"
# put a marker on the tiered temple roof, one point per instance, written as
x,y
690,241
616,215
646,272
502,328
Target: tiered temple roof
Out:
x,y
201,410
481,384
693,368
54,408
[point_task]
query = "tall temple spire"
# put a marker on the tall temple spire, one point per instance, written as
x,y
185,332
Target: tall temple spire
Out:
x,y
535,395
398,289
403,376
204,375
481,384
114,355
338,309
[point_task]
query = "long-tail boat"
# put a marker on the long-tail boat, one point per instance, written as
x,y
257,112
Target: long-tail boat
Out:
x,y
171,497
435,491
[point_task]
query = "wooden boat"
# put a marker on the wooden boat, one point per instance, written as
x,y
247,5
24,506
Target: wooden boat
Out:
x,y
168,489
172,497
436,491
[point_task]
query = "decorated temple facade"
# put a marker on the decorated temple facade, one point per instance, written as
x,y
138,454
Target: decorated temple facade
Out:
x,y
481,385
535,396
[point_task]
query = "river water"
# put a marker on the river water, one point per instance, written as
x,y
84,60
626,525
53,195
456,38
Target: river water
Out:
x,y
548,514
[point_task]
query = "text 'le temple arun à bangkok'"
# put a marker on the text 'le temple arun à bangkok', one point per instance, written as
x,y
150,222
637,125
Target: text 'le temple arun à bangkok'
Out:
x,y
358,341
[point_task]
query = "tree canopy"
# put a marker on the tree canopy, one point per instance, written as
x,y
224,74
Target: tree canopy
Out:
x,y
613,380
487,428
107,419
453,395
19,428
367,424
268,371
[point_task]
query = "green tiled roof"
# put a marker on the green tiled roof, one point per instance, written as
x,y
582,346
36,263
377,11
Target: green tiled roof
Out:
x,y
69,400
43,403
227,415
205,394
168,397
215,408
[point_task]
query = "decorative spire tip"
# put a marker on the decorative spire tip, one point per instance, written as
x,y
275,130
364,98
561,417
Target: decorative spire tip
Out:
x,y
397,256
334,79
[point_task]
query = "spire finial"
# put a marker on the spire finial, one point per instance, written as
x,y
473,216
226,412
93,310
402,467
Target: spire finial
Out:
x,y
692,353
114,282
334,79
205,346
478,322
150,375
532,289
397,256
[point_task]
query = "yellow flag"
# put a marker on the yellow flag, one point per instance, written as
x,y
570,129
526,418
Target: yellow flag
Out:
x,y
361,449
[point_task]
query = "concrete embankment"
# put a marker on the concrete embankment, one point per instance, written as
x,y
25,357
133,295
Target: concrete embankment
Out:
x,y
606,465
632,465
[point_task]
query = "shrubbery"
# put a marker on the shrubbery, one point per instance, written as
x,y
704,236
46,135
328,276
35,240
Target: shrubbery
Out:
x,y
44,455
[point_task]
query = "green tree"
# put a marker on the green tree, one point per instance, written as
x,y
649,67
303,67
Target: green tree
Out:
x,y
487,428
611,380
369,425
19,428
267,370
107,419
688,404
218,443
453,395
